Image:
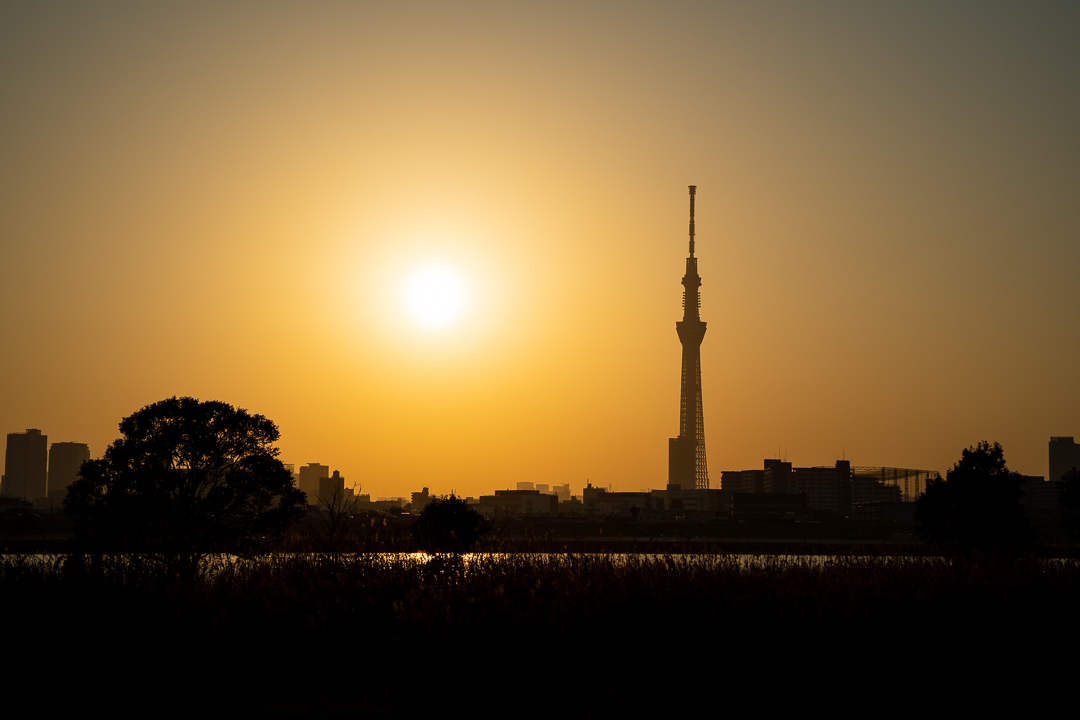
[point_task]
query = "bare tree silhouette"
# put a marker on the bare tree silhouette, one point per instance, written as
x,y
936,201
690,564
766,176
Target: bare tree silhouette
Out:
x,y
337,527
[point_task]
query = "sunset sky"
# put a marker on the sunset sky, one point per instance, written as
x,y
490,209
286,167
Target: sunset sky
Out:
x,y
231,200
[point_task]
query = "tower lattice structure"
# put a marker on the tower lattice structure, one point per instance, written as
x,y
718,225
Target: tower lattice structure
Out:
x,y
687,469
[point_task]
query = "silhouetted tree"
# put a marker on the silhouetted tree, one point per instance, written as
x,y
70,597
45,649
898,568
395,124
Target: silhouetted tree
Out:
x,y
449,525
977,505
185,478
1069,501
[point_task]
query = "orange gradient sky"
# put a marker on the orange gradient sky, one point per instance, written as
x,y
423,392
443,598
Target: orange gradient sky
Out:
x,y
226,200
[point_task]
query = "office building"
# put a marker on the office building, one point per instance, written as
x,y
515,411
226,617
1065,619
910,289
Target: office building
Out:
x,y
65,459
26,466
1064,456
310,475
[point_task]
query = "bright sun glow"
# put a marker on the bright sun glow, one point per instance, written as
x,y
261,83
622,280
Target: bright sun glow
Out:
x,y
435,296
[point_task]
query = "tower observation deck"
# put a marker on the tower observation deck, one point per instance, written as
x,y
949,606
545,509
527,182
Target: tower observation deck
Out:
x,y
686,454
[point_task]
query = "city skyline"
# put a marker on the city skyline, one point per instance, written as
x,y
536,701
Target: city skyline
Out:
x,y
201,202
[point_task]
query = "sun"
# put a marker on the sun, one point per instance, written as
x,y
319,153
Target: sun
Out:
x,y
435,296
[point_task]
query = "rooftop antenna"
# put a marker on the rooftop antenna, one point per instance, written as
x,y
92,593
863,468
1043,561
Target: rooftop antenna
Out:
x,y
693,191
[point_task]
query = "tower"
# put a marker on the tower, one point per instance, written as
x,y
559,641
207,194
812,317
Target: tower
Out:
x,y
686,454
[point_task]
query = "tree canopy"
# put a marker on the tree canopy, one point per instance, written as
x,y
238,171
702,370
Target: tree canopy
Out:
x,y
185,478
449,525
977,505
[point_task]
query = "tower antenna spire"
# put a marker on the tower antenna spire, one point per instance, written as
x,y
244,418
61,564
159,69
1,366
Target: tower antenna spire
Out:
x,y
693,191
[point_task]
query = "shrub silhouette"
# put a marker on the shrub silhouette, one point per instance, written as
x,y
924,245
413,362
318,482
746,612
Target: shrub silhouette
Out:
x,y
449,525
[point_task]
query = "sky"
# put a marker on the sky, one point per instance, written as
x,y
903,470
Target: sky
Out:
x,y
230,201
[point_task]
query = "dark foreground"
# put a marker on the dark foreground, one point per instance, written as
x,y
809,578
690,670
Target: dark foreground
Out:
x,y
325,635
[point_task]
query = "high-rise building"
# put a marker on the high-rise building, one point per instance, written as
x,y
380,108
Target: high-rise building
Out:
x,y
1064,456
332,492
26,465
310,475
687,469
776,477
65,459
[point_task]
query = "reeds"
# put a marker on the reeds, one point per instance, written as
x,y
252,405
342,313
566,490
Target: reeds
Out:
x,y
366,617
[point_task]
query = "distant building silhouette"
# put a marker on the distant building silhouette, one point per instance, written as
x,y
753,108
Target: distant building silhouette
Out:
x,y
911,482
420,500
517,502
832,489
390,503
310,475
687,469
768,506
884,511
775,477
1041,500
601,501
65,459
743,481
696,501
332,490
26,466
860,490
1064,456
